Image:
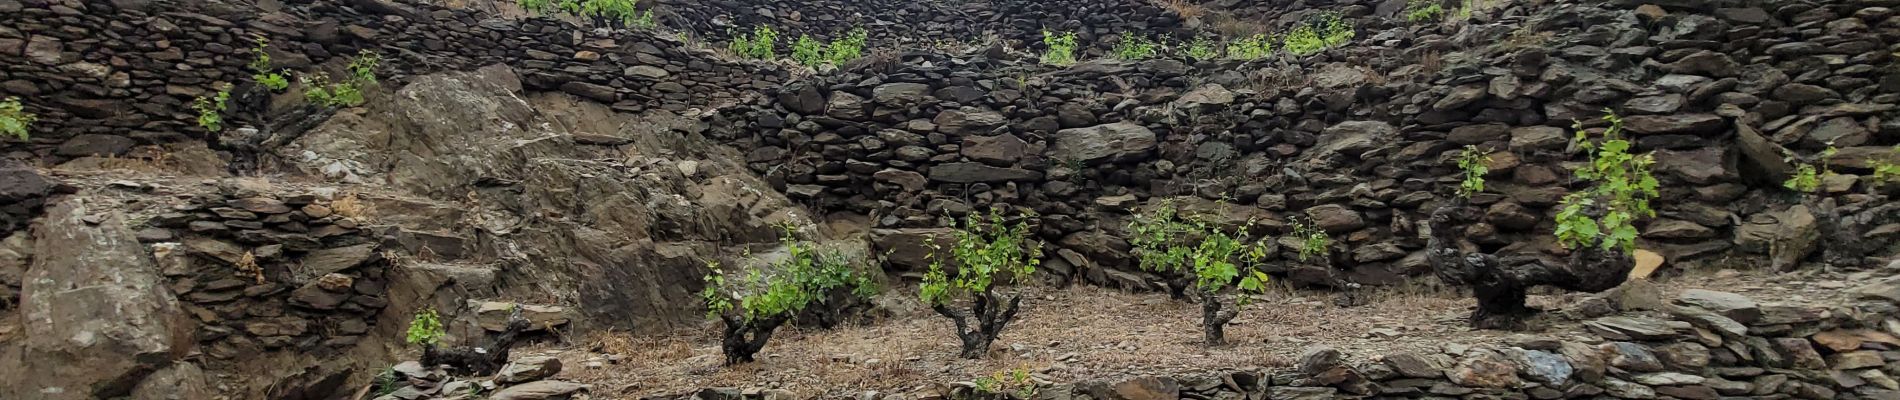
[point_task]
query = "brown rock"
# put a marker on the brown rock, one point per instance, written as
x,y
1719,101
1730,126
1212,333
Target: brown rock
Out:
x,y
1486,369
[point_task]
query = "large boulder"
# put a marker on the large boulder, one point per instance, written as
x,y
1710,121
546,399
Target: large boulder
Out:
x,y
1118,141
99,318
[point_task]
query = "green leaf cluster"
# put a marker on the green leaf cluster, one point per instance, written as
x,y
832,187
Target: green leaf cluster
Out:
x,y
984,249
1807,177
1251,48
1313,241
14,120
1423,10
757,45
1884,172
211,109
1132,46
1166,241
1318,33
1061,48
1202,48
1013,381
810,52
625,11
1604,214
261,70
805,276
1475,164
425,328
320,90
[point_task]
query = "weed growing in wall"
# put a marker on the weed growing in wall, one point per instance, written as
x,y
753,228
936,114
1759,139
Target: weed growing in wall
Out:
x,y
1202,48
1885,173
808,51
1621,187
1132,46
1807,177
1474,164
1251,47
624,12
14,120
757,45
1061,48
1319,33
847,48
261,70
1313,241
1423,10
320,90
211,109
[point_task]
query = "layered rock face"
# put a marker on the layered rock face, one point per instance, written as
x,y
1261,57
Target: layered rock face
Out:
x,y
566,199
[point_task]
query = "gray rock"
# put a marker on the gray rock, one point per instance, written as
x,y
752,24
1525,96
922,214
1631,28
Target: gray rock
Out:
x,y
968,120
970,172
95,145
1545,367
596,92
900,94
1118,141
539,390
1631,328
1353,138
1734,306
1000,150
1485,369
1319,359
1631,357
844,105
1661,104
1538,138
103,318
1412,365
1687,124
1476,134
493,315
1335,218
528,369
1792,233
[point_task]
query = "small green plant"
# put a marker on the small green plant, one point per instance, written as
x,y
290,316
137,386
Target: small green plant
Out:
x,y
363,67
1250,48
1885,173
983,251
319,90
1061,48
1319,33
1314,243
756,305
425,329
808,51
261,70
14,120
1475,163
1014,382
211,109
1604,214
1423,10
1131,46
847,48
1807,177
1202,48
757,45
385,382
1215,259
538,7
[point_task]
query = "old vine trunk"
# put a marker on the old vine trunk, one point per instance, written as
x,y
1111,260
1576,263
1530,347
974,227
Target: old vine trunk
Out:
x,y
991,313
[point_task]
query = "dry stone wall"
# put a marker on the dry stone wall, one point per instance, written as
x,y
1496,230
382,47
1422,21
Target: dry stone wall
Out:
x,y
1360,139
910,25
106,76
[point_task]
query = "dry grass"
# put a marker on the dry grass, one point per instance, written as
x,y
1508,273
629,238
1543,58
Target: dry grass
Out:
x,y
350,206
1185,8
1063,335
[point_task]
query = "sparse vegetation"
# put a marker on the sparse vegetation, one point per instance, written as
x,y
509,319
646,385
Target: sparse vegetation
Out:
x,y
14,120
1250,48
1424,10
1807,176
1475,164
1061,48
261,70
984,251
1621,187
1314,243
1013,382
1885,173
812,53
754,306
1132,46
211,108
808,51
320,90
1318,33
1202,48
624,12
757,45
1166,242
425,329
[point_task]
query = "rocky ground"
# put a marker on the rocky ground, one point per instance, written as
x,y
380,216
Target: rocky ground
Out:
x,y
1085,333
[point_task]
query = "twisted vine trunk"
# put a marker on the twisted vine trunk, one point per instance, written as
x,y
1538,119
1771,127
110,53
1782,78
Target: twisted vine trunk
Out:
x,y
744,337
486,359
991,313
1500,285
1215,316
